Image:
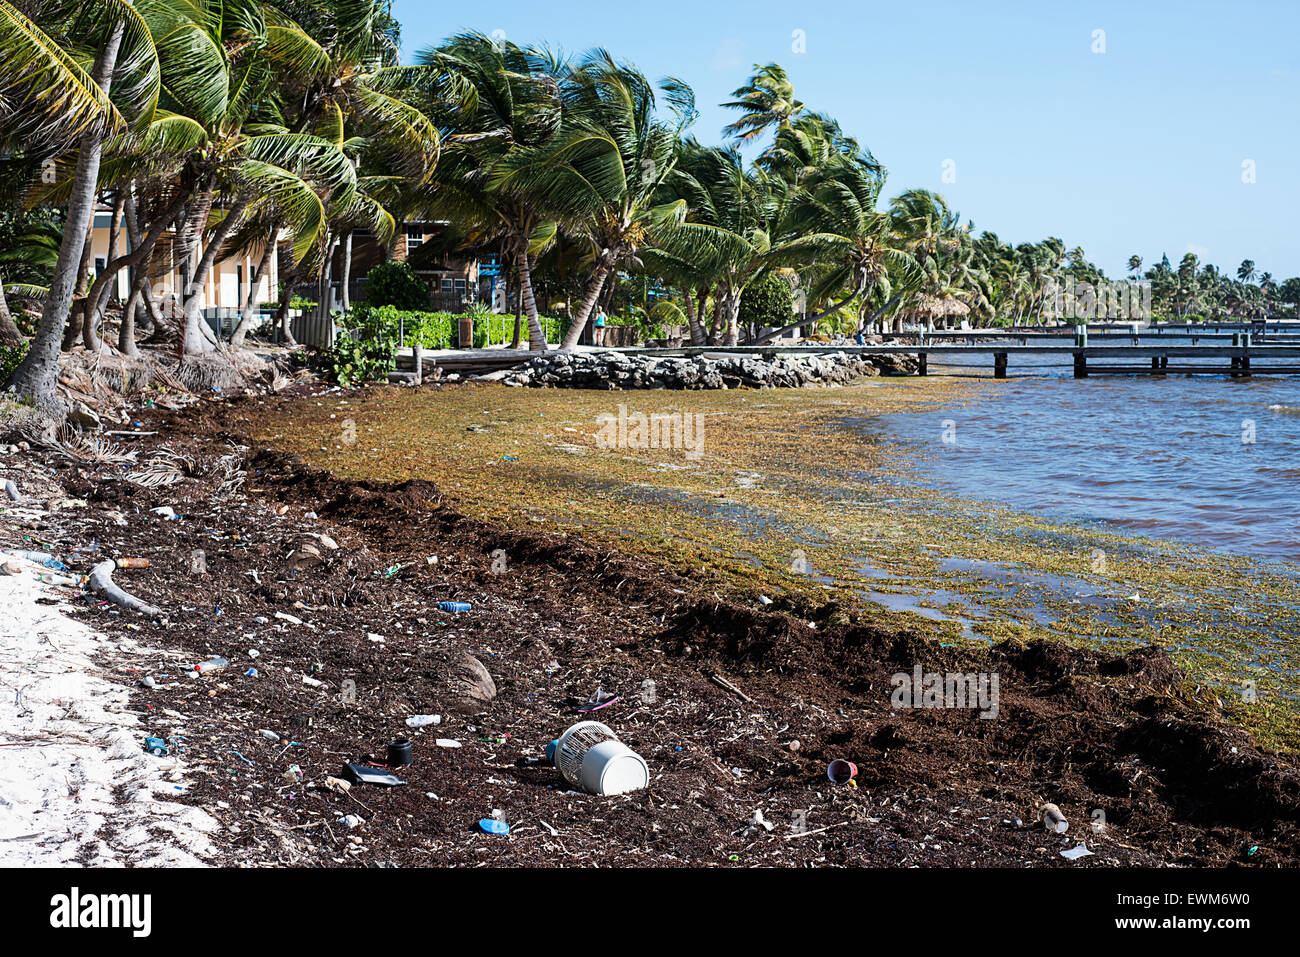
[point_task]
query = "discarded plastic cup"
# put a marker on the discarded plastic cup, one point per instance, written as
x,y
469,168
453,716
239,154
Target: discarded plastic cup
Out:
x,y
841,771
1053,819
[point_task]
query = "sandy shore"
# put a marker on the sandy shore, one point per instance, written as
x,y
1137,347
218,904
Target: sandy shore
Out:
x,y
324,594
76,786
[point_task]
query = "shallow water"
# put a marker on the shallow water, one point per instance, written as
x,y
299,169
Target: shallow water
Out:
x,y
1208,460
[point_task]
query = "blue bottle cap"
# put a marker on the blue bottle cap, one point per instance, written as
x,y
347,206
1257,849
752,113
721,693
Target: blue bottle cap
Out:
x,y
491,825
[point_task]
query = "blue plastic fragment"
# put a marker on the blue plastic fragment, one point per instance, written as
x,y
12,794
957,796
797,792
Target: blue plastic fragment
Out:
x,y
455,605
490,825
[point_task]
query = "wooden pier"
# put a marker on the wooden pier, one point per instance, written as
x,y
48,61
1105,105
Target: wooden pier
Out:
x,y
1223,349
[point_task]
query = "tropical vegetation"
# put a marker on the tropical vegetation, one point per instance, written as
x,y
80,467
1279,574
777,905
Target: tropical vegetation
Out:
x,y
288,130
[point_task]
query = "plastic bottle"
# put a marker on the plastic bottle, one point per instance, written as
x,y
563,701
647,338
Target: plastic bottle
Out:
x,y
212,664
423,720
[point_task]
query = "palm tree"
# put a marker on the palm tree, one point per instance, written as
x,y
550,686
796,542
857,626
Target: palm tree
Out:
x,y
601,174
855,246
727,241
767,101
1135,265
45,81
219,152
515,107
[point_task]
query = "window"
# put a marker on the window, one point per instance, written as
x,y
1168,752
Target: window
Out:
x,y
414,238
446,285
460,286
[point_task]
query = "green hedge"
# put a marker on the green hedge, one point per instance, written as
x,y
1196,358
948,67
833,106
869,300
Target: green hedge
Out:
x,y
438,330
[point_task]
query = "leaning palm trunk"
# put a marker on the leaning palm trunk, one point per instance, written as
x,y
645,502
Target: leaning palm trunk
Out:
x,y
126,330
72,328
729,312
100,293
198,337
345,297
579,322
697,330
37,375
805,320
536,334
246,318
10,334
519,313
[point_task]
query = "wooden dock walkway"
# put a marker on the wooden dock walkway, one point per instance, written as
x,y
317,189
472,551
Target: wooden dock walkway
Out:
x,y
1235,353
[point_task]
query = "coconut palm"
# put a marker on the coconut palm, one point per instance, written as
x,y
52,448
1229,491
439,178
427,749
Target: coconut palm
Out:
x,y
767,101
515,106
40,83
726,243
838,227
600,176
219,153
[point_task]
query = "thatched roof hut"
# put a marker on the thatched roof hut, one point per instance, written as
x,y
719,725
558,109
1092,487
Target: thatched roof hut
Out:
x,y
936,310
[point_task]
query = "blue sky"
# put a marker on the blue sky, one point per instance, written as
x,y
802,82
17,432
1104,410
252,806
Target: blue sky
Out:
x,y
1137,149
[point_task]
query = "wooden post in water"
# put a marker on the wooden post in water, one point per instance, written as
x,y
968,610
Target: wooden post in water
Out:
x,y
999,365
1234,364
1245,360
1080,343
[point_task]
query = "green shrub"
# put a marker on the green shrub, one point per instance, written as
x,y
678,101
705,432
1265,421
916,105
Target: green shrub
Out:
x,y
767,302
10,356
365,351
396,284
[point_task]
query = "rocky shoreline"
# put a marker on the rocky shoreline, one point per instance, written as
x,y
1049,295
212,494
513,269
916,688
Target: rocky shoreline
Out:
x,y
720,370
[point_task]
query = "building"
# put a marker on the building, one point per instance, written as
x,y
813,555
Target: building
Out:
x,y
225,287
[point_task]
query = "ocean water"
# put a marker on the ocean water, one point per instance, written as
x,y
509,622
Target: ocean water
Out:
x,y
1210,460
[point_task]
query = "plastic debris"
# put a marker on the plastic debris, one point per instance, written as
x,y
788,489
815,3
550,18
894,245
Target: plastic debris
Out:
x,y
423,720
455,605
590,756
490,825
1053,819
101,581
361,774
1076,852
212,664
841,771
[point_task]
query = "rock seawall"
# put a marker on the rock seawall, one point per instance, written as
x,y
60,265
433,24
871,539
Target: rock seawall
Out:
x,y
614,370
